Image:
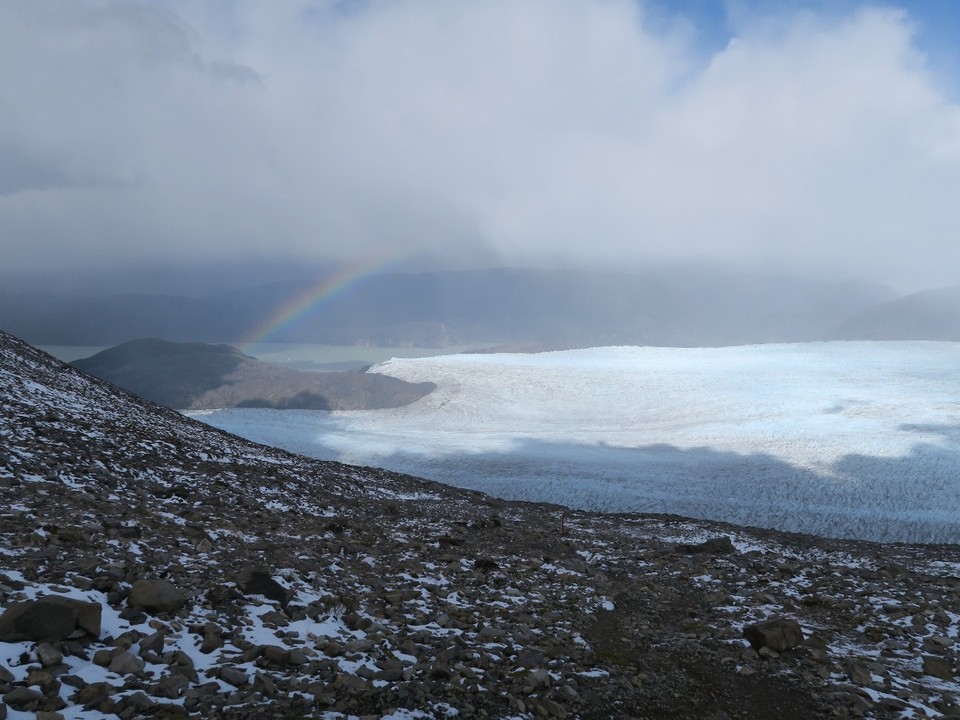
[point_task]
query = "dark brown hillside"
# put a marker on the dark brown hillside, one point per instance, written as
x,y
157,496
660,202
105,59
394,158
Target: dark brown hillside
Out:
x,y
196,376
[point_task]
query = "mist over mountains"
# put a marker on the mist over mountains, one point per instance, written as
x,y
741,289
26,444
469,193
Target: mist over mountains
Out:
x,y
519,308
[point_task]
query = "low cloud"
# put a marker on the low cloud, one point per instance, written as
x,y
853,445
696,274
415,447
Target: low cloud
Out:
x,y
545,131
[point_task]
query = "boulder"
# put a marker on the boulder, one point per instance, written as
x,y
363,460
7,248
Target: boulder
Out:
x,y
937,667
52,617
22,698
233,675
722,545
138,701
256,580
173,686
126,663
153,643
49,655
778,634
156,596
858,674
92,695
211,642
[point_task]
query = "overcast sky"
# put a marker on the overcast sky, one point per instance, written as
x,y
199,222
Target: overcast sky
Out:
x,y
811,136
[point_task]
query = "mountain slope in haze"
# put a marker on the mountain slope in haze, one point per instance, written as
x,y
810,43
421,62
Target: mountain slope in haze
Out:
x,y
90,319
196,376
155,567
537,307
926,315
579,308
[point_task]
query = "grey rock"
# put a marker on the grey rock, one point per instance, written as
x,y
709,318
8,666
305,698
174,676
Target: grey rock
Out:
x,y
937,643
274,654
45,681
204,546
553,708
539,678
153,643
714,546
139,702
93,695
211,642
264,683
233,676
72,535
156,596
858,674
52,617
256,580
391,674
49,655
297,656
172,686
102,657
937,667
126,663
48,715
22,698
488,632
778,634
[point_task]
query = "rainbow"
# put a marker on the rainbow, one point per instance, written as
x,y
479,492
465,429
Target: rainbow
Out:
x,y
307,301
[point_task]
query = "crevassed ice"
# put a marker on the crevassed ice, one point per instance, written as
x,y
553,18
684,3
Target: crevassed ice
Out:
x,y
849,439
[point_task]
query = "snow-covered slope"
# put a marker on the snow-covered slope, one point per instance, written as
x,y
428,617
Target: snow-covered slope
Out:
x,y
839,439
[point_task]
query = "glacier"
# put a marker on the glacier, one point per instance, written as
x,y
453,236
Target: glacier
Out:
x,y
840,439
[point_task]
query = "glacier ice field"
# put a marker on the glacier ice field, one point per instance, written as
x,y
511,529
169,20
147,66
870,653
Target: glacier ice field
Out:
x,y
841,439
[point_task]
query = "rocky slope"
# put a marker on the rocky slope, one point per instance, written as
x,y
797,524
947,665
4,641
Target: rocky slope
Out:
x,y
151,566
196,376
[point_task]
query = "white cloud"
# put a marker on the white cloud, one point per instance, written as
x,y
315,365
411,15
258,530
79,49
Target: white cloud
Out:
x,y
547,129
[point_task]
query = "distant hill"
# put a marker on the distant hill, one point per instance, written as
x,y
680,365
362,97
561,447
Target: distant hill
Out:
x,y
497,307
192,376
927,315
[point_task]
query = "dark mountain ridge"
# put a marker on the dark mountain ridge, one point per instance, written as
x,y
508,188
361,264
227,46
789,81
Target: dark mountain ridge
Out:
x,y
197,376
154,567
549,308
